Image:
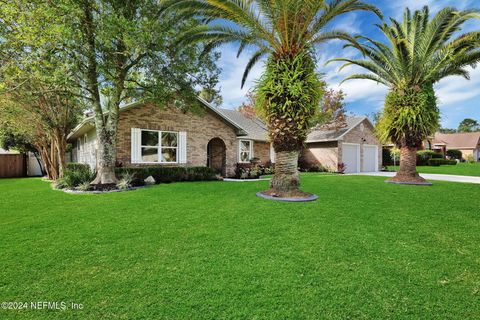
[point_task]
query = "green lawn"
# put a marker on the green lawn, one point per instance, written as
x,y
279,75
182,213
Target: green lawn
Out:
x,y
461,169
212,250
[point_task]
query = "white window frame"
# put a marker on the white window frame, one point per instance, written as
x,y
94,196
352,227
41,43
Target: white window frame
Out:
x,y
159,147
250,151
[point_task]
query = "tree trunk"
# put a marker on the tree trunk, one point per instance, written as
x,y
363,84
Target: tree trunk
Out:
x,y
286,179
106,157
407,174
60,147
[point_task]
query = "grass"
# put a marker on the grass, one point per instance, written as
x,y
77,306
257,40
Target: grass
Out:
x,y
212,250
461,169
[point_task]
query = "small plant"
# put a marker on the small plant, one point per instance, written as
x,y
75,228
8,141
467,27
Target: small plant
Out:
x,y
84,186
123,184
470,159
59,183
341,168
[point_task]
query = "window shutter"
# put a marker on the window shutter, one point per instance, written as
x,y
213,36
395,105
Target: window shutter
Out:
x,y
182,147
136,141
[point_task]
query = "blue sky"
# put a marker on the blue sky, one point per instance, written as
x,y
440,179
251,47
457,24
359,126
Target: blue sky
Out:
x,y
458,97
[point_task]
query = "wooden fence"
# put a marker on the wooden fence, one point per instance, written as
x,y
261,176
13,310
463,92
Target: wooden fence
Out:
x,y
12,166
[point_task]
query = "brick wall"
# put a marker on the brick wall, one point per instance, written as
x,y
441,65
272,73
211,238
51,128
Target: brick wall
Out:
x,y
200,128
321,153
261,150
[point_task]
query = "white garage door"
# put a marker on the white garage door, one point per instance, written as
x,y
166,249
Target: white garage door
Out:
x,y
370,156
351,157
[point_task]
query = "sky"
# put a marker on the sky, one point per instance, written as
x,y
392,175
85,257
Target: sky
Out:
x,y
458,97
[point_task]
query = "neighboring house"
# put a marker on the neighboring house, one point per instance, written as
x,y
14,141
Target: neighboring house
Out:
x,y
219,138
150,135
467,143
355,146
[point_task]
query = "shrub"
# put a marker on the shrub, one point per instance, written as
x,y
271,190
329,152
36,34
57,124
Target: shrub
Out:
x,y
454,154
252,170
85,186
76,174
169,174
439,162
470,159
423,156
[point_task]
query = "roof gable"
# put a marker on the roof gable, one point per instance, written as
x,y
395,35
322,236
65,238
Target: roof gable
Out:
x,y
255,128
319,135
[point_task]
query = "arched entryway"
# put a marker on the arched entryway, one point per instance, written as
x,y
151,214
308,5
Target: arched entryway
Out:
x,y
217,155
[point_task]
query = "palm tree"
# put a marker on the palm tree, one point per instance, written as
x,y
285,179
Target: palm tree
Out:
x,y
285,32
420,52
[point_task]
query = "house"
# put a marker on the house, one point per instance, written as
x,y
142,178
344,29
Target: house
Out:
x,y
150,135
218,138
467,143
354,145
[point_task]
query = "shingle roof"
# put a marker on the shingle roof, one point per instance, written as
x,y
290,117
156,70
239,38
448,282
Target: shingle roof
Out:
x,y
458,140
90,119
255,128
319,135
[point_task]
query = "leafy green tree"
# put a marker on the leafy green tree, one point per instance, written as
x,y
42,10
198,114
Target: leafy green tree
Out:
x,y
286,33
420,51
468,125
126,50
447,130
38,94
110,52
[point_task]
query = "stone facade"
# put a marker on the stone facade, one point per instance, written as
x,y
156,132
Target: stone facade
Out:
x,y
200,128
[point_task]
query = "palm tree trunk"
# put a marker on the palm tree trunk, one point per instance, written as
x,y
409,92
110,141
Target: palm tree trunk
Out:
x,y
407,174
285,179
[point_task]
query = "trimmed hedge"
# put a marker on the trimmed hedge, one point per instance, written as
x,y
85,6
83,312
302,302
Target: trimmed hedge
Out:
x,y
424,156
439,162
170,174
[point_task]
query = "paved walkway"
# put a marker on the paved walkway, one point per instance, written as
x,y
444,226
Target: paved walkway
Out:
x,y
428,176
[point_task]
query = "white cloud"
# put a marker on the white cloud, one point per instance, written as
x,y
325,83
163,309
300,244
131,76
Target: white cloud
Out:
x,y
232,73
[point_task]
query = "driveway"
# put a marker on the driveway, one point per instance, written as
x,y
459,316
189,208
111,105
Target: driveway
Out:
x,y
428,176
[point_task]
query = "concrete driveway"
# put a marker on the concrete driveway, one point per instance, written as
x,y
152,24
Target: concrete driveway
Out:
x,y
427,176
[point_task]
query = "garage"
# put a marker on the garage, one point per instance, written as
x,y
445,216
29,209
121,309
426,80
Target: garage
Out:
x,y
351,157
353,145
370,158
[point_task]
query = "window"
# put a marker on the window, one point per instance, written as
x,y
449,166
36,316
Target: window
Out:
x,y
159,146
246,151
